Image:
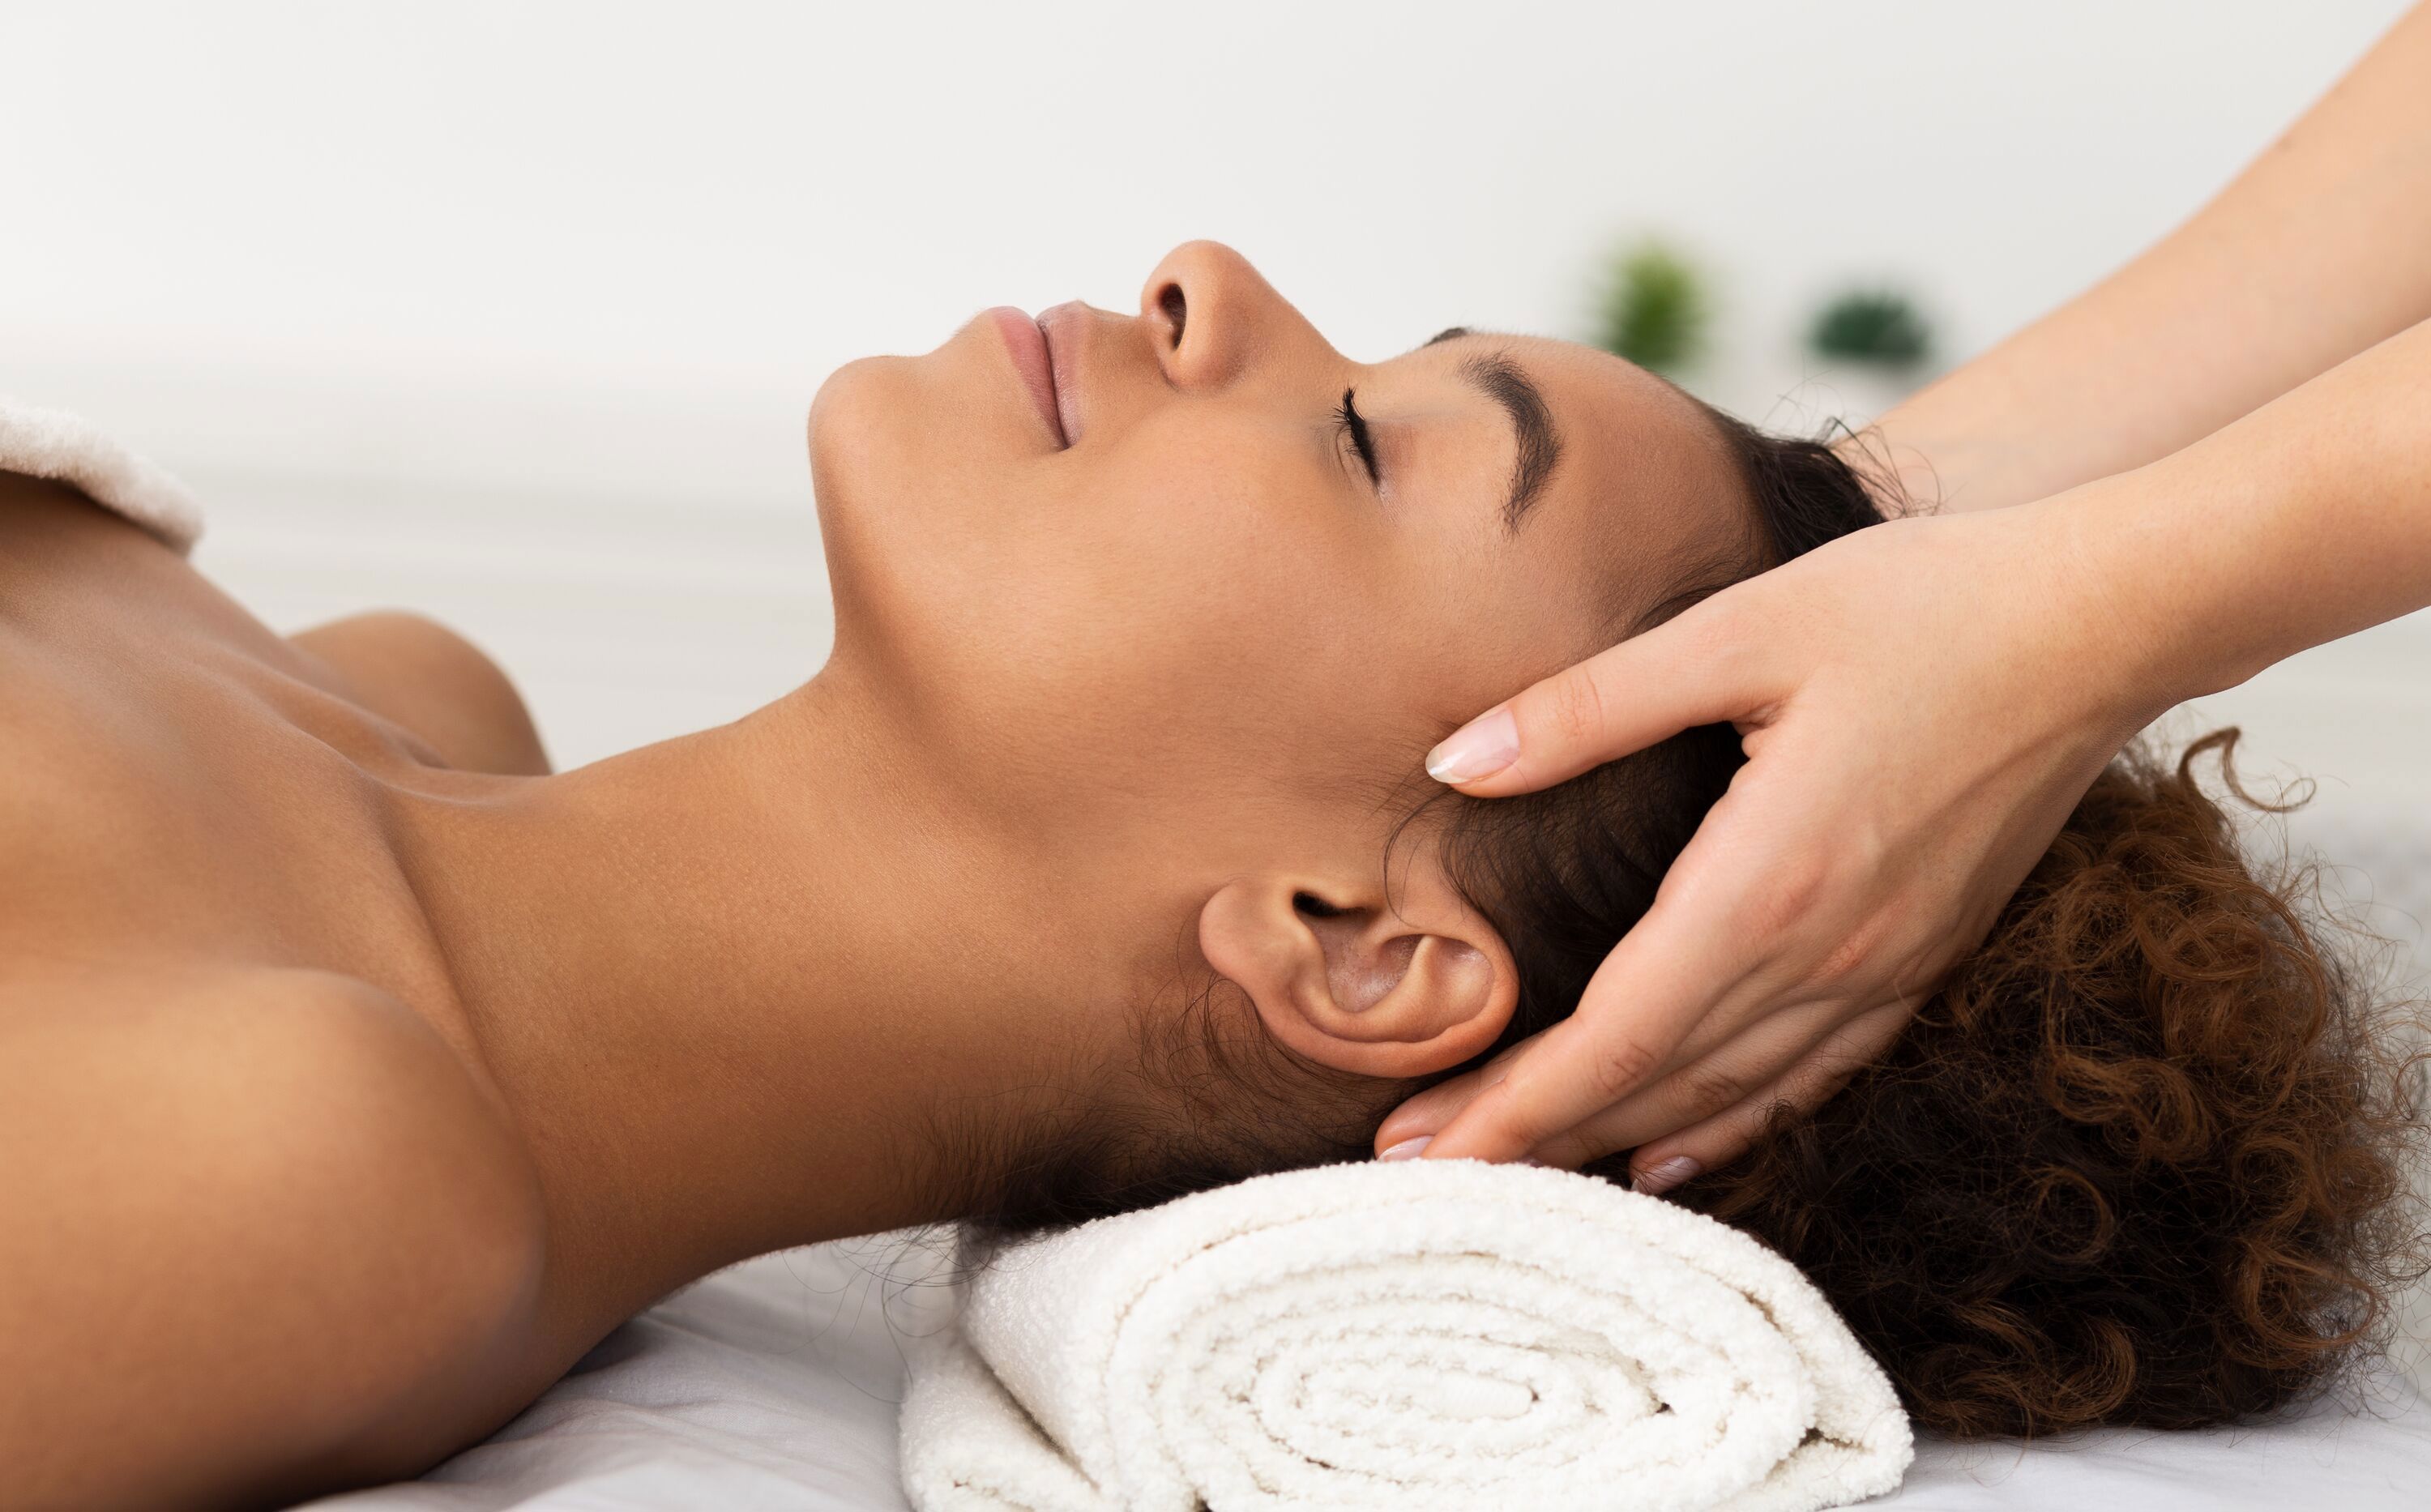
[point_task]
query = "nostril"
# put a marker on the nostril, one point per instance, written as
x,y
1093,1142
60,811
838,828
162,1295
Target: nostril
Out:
x,y
1176,308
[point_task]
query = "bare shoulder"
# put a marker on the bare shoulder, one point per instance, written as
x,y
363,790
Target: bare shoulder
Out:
x,y
412,669
253,1215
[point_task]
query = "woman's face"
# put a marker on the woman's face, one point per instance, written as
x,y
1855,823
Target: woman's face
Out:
x,y
1131,578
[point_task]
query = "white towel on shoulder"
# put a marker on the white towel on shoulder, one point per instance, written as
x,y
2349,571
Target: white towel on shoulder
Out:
x,y
68,448
1414,1334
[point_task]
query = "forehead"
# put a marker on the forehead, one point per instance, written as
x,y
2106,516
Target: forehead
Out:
x,y
1645,497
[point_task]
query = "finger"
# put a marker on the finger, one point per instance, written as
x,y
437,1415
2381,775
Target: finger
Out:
x,y
1694,949
1664,1164
1700,1088
1422,1114
1694,669
1663,978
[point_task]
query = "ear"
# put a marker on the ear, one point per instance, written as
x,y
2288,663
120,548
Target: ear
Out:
x,y
1392,987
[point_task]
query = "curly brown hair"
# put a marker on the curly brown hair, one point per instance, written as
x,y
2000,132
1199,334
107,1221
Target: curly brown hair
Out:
x,y
2136,1163
2139,1161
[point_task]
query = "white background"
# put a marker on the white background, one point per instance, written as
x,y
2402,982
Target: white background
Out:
x,y
511,312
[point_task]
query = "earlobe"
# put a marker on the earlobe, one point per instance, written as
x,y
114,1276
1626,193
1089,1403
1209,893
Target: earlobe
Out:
x,y
1347,982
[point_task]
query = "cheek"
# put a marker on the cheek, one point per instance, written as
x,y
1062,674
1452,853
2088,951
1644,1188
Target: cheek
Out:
x,y
1157,625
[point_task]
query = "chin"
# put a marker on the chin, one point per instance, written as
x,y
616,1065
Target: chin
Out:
x,y
866,442
887,433
884,440
917,464
848,428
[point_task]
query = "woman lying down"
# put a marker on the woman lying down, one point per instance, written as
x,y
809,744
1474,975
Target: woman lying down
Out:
x,y
362,1074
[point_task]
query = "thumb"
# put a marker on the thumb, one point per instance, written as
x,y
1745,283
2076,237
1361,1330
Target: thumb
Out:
x,y
1694,669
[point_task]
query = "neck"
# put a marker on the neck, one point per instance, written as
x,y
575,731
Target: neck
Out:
x,y
748,989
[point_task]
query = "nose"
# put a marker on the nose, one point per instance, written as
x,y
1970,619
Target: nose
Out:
x,y
1212,313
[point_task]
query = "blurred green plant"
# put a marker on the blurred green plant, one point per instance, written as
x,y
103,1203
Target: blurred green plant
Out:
x,y
1875,327
1656,309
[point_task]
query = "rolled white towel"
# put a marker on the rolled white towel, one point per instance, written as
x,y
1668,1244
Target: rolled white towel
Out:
x,y
1414,1334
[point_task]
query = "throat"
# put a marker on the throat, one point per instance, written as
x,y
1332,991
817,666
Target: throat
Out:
x,y
739,997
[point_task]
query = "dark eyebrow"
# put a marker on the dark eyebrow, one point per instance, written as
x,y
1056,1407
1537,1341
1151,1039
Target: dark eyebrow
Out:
x,y
1532,425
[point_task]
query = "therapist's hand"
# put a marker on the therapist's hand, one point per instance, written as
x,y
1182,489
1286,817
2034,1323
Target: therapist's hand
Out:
x,y
1921,704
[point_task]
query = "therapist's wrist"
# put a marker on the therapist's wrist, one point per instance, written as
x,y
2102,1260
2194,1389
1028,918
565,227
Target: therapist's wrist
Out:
x,y
2144,569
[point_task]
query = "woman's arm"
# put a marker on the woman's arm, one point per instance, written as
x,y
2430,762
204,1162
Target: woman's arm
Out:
x,y
2318,249
1953,686
2307,520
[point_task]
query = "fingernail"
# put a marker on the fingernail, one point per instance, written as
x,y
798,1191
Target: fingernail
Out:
x,y
1481,748
1407,1149
1656,1180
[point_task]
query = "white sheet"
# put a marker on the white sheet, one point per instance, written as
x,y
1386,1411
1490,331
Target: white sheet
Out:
x,y
773,1386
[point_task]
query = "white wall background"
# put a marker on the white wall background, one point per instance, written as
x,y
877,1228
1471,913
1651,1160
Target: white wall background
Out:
x,y
614,246
510,311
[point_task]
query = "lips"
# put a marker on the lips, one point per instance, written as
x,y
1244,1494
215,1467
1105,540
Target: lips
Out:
x,y
1035,362
1064,326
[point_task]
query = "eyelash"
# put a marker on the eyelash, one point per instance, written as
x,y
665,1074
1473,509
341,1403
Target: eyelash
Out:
x,y
1348,421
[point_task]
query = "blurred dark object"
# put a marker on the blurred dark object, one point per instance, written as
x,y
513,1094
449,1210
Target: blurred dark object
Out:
x,y
1655,310
1874,326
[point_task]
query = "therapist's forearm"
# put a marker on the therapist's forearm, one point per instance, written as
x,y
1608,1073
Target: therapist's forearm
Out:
x,y
2306,520
2321,248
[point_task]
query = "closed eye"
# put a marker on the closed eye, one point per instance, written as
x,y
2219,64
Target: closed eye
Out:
x,y
1348,421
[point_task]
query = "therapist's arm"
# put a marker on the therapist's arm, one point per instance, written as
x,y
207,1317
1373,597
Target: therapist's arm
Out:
x,y
2319,250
